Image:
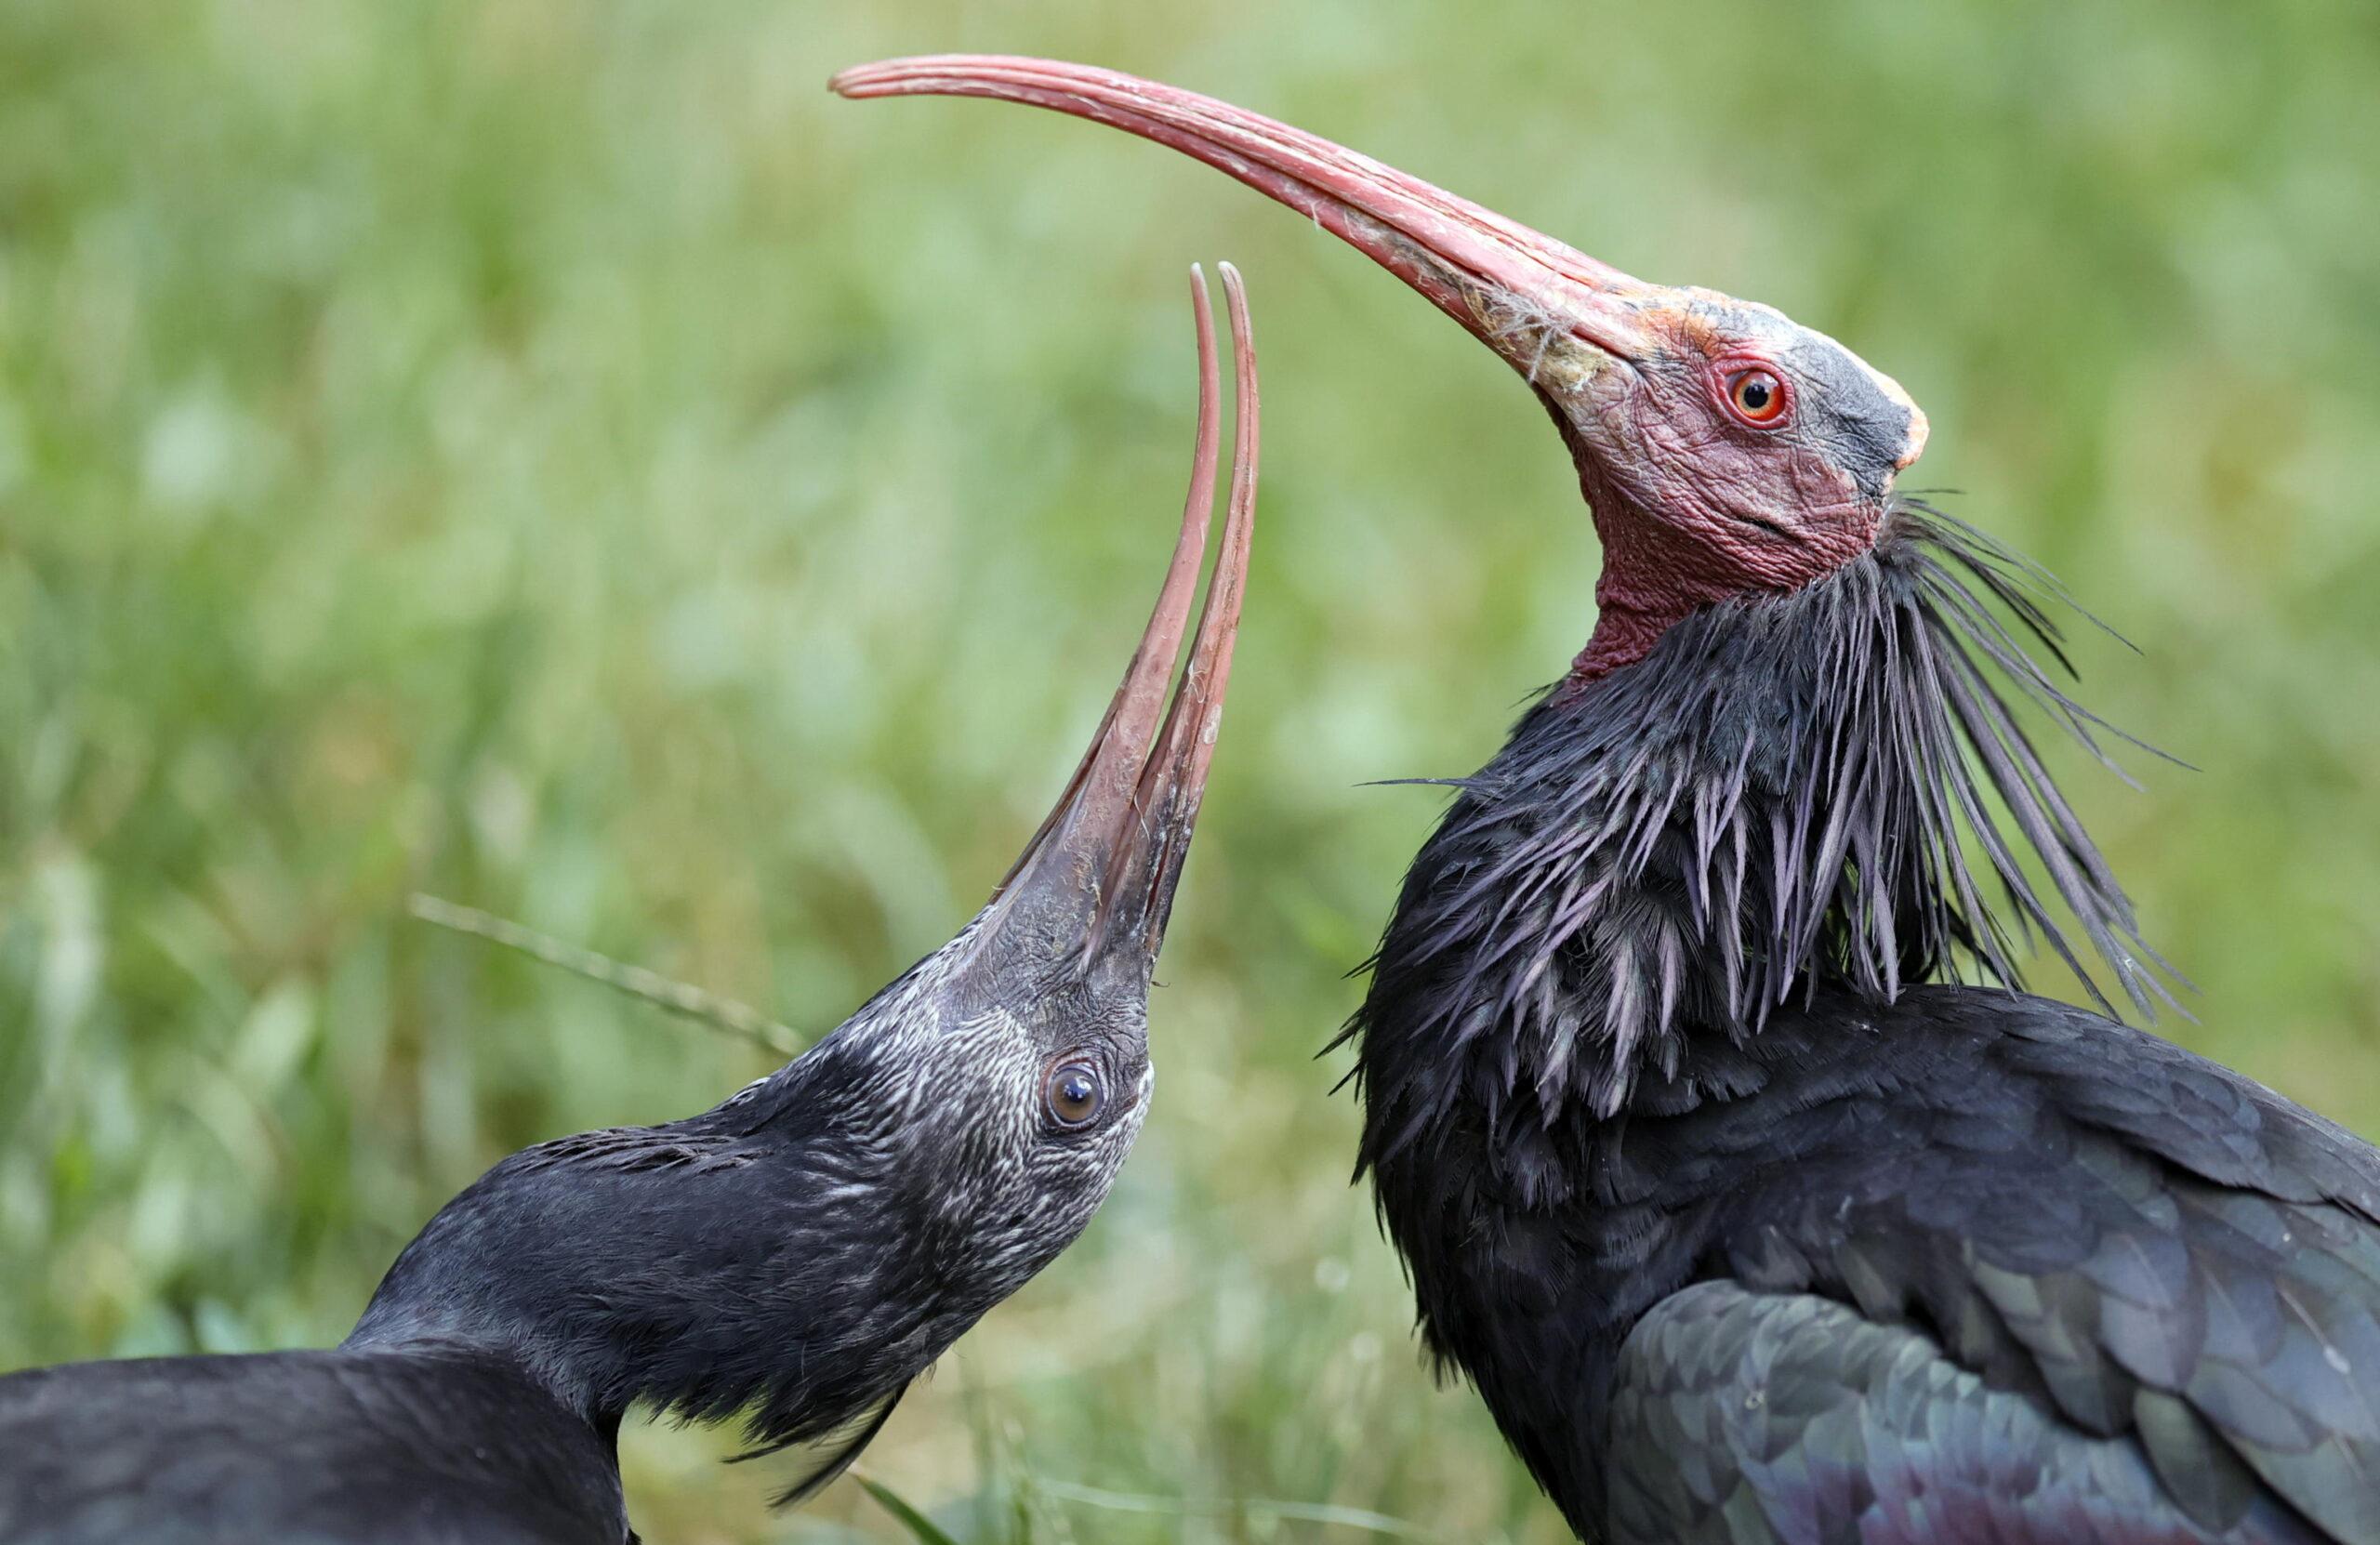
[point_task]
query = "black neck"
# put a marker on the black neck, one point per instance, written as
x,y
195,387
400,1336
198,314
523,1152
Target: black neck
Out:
x,y
724,1263
1780,798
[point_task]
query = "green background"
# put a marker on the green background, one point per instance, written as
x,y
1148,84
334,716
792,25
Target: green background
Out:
x,y
555,456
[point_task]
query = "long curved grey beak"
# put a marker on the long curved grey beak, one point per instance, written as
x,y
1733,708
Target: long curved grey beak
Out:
x,y
1105,862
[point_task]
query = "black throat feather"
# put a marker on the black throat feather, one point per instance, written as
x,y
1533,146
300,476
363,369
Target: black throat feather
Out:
x,y
1789,794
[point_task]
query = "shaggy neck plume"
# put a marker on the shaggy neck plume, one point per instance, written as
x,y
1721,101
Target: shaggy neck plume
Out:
x,y
1777,798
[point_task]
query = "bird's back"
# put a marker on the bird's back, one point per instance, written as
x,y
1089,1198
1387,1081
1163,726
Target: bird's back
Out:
x,y
337,1447
1970,1260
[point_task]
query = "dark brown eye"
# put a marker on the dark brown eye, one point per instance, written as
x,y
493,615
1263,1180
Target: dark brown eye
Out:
x,y
1072,1094
1757,396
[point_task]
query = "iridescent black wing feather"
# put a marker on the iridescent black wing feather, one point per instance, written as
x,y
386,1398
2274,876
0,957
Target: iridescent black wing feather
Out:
x,y
1814,1423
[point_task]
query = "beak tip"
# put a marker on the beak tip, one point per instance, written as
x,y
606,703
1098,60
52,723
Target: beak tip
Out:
x,y
877,78
1111,851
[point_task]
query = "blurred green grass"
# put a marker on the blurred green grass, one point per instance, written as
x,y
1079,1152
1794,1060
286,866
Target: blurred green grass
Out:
x,y
555,456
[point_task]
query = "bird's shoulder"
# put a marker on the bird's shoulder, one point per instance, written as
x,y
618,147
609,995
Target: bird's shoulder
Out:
x,y
2144,1244
2196,1115
1968,1083
389,1448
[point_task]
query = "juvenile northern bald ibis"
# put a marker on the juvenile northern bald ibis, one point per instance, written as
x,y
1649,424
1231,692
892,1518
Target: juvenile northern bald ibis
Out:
x,y
1749,1222
797,1254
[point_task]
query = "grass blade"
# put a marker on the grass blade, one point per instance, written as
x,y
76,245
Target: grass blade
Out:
x,y
924,1530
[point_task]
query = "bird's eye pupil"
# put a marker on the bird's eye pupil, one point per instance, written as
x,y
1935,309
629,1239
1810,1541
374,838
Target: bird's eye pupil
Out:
x,y
1757,396
1072,1094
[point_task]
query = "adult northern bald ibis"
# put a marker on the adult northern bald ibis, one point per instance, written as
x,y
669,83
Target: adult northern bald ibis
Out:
x,y
799,1253
1747,1219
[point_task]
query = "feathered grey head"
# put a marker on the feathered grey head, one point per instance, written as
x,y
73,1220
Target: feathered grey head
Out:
x,y
1017,1056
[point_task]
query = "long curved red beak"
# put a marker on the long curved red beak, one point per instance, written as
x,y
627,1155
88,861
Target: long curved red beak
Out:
x,y
1510,286
1107,859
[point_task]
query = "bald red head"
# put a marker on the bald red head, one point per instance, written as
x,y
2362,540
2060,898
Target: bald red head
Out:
x,y
1724,450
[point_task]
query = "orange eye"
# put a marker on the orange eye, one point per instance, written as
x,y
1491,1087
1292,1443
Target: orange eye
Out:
x,y
1757,396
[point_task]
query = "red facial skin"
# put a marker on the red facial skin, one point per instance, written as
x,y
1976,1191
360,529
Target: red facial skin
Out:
x,y
1695,503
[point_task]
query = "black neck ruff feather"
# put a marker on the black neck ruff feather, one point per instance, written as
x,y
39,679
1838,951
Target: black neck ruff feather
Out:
x,y
1789,794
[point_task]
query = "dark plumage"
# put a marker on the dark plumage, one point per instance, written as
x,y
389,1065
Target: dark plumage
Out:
x,y
1777,783
797,1254
1701,1220
1748,1222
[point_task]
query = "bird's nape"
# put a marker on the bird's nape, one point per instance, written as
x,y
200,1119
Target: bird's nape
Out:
x,y
1101,869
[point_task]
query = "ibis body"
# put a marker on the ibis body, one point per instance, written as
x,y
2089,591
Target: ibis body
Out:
x,y
1749,1222
796,1255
